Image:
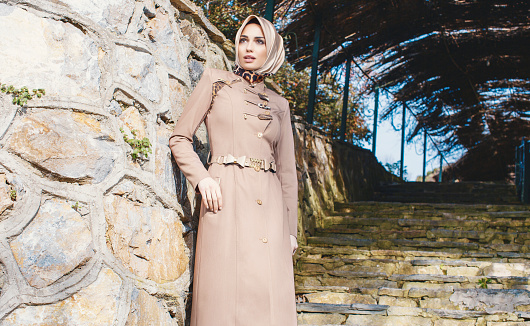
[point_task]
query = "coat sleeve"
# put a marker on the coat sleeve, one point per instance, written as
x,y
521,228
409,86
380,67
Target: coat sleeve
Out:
x,y
181,141
286,170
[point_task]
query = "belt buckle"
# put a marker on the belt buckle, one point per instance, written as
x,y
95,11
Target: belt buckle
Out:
x,y
256,163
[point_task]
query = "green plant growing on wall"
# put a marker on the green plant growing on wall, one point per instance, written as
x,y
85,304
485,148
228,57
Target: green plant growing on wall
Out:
x,y
141,147
483,282
23,95
13,194
76,206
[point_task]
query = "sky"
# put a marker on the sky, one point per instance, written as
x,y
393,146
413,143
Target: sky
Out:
x,y
388,144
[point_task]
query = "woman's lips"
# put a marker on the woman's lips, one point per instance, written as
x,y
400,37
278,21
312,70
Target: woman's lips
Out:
x,y
248,58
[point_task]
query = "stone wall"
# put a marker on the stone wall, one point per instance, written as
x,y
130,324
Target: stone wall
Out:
x,y
88,235
331,171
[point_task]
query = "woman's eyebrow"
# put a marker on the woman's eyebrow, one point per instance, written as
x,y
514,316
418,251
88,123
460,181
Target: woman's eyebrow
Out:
x,y
254,37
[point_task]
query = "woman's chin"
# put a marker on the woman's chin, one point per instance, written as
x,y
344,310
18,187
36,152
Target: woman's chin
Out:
x,y
248,66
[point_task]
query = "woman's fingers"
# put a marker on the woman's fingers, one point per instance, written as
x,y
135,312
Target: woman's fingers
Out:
x,y
215,204
219,197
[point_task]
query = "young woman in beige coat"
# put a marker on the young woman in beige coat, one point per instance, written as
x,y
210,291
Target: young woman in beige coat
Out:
x,y
248,219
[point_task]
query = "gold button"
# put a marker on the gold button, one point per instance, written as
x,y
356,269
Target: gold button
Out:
x,y
245,116
260,135
245,91
259,201
267,112
265,240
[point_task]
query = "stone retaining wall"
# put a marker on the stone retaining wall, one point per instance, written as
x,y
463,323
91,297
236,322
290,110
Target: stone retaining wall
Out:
x,y
88,235
331,171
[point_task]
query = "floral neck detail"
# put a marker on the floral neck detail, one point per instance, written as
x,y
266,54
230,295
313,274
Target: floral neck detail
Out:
x,y
249,75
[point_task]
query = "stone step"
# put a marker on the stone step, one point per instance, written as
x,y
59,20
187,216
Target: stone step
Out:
x,y
406,281
414,266
384,315
383,223
437,214
405,244
456,299
356,253
418,206
471,187
439,234
459,198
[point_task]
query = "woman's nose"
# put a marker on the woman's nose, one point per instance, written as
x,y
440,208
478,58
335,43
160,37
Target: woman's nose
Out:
x,y
249,48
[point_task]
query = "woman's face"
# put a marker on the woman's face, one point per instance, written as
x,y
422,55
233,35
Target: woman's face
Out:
x,y
251,48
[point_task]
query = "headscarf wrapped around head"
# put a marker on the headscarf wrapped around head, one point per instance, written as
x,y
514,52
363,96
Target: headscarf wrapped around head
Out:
x,y
273,42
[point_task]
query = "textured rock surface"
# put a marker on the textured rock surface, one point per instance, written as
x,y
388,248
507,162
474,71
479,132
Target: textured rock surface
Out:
x,y
45,251
147,310
70,145
63,59
138,234
94,305
81,201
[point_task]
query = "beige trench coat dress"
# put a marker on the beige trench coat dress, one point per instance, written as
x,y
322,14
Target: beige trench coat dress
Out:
x,y
243,263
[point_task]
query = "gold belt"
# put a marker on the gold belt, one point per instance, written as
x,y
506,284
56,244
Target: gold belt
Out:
x,y
244,161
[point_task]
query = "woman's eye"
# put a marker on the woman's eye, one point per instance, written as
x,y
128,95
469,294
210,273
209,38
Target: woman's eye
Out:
x,y
260,41
243,40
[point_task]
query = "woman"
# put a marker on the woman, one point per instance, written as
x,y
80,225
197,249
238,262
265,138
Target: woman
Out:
x,y
248,219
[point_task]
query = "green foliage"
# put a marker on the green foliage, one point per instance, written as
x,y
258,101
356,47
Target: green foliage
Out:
x,y
395,167
227,15
76,206
328,106
13,194
483,282
141,147
23,95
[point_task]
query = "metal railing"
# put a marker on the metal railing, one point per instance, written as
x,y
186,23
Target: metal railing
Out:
x,y
522,171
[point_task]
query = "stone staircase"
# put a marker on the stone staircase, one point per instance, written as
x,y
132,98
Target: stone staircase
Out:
x,y
419,263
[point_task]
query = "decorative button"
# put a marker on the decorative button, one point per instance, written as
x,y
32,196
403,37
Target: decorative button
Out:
x,y
259,201
267,112
265,240
260,134
245,116
245,91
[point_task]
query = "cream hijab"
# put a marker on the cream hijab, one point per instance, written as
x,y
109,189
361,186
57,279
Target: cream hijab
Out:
x,y
274,44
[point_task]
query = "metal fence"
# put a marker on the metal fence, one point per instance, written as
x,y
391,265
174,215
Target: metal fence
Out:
x,y
522,171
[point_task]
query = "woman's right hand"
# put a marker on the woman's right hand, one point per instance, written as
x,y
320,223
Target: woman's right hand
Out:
x,y
211,194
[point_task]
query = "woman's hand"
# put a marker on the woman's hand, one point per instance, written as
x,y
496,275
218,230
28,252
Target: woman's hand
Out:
x,y
294,243
211,194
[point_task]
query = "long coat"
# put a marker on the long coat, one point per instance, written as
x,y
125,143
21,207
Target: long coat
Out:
x,y
243,265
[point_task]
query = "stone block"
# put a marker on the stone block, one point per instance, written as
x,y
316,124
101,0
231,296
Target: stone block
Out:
x,y
56,241
442,286
110,14
452,322
147,310
94,305
432,293
438,303
404,311
339,298
397,301
373,320
138,233
138,70
320,319
507,269
463,271
71,145
392,292
63,60
491,300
